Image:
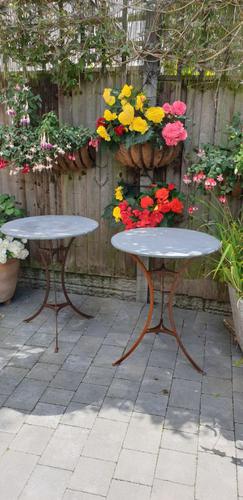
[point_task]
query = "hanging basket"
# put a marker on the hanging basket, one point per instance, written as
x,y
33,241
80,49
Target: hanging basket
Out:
x,y
146,156
84,159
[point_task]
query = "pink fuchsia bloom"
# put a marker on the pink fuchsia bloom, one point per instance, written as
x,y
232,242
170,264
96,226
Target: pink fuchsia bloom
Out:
x,y
94,143
25,120
198,178
11,112
25,169
186,179
3,163
173,133
220,178
178,108
167,108
46,145
192,209
72,157
222,199
210,183
17,87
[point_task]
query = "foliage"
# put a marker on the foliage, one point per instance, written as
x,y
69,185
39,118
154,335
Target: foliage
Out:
x,y
129,120
158,205
229,230
74,38
31,141
219,168
9,209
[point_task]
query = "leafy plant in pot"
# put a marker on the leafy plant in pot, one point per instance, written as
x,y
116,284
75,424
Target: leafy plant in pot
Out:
x,y
229,266
12,250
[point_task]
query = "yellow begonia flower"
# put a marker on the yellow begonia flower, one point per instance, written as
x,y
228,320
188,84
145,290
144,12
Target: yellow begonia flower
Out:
x,y
108,98
126,91
127,115
109,116
118,193
123,102
140,100
103,133
116,214
155,114
139,125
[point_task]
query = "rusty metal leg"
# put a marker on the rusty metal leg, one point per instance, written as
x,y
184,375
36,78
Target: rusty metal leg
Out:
x,y
47,291
150,312
172,321
69,302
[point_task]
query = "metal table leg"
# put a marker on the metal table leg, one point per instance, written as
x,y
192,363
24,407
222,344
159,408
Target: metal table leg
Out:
x,y
161,328
56,306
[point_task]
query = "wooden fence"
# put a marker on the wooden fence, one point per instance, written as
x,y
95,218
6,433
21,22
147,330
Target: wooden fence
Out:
x,y
94,266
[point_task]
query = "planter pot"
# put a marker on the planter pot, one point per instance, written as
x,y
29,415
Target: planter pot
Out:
x,y
8,279
237,312
84,159
146,156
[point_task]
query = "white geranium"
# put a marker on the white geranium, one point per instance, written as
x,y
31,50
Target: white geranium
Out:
x,y
12,249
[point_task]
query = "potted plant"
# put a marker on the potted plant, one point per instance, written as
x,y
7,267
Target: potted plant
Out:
x,y
11,250
34,143
220,168
157,205
143,136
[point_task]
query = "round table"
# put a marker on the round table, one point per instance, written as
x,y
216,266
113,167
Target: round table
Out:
x,y
52,228
164,243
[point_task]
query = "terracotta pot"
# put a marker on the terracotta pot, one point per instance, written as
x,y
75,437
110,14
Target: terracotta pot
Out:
x,y
84,159
146,156
8,279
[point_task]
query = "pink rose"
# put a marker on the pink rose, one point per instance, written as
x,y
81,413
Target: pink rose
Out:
x,y
178,108
167,108
174,133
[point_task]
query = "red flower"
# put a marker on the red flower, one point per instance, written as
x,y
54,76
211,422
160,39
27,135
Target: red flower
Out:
x,y
119,130
146,201
176,206
164,208
3,163
101,121
162,194
123,205
171,186
25,169
156,217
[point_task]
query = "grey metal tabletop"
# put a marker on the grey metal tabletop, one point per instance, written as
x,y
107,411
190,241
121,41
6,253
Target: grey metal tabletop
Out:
x,y
163,242
49,227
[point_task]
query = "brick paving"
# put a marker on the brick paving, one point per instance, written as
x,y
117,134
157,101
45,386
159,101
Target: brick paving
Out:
x,y
73,427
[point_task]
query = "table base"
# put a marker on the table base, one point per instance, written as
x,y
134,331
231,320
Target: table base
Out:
x,y
160,328
47,257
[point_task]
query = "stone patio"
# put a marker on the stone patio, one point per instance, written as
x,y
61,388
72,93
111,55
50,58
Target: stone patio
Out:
x,y
73,427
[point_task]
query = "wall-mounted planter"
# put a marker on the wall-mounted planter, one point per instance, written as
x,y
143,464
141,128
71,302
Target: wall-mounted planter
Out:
x,y
146,156
84,159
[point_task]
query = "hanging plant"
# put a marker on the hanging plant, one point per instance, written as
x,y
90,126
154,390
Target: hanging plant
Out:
x,y
34,143
143,136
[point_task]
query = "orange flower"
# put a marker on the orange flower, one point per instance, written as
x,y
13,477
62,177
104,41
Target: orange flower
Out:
x,y
162,194
146,201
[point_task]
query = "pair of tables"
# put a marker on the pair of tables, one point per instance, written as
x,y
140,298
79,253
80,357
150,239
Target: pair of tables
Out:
x,y
159,243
